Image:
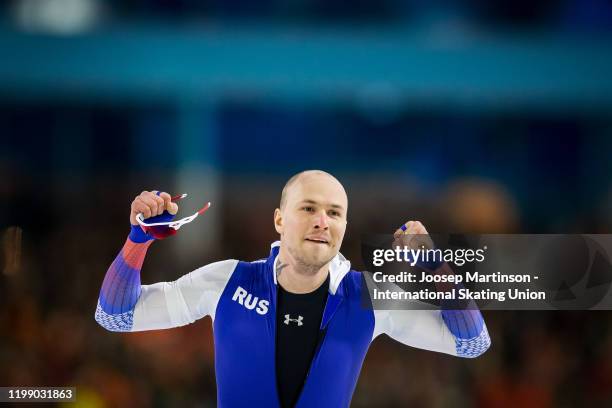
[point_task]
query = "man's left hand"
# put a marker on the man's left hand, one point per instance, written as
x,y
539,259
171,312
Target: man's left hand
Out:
x,y
415,236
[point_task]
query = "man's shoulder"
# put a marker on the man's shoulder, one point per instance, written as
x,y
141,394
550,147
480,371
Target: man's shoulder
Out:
x,y
230,265
354,278
259,267
349,284
220,270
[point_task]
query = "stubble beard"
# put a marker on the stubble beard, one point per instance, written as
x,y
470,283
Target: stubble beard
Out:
x,y
305,266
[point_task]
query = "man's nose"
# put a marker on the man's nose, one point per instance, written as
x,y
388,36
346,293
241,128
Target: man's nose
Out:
x,y
321,221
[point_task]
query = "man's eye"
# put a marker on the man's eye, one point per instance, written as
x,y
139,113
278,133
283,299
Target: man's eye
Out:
x,y
308,209
334,213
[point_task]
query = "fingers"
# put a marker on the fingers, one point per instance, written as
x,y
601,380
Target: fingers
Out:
x,y
150,204
138,206
414,236
155,202
411,227
169,205
405,230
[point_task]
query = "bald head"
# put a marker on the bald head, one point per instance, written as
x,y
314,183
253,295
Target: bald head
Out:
x,y
305,175
311,219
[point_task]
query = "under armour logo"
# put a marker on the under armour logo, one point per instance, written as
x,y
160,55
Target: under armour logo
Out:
x,y
298,320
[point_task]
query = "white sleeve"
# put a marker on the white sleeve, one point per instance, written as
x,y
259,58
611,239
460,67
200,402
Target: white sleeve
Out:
x,y
416,324
172,304
424,329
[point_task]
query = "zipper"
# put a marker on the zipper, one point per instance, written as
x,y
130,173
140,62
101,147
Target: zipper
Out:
x,y
331,305
274,306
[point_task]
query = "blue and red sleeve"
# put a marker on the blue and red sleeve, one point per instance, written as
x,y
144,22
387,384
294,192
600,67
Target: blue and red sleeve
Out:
x,y
121,286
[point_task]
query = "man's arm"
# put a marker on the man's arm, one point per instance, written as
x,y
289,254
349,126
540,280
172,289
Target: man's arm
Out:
x,y
126,305
459,331
121,288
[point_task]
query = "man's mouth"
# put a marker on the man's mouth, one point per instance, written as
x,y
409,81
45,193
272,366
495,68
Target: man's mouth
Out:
x,y
318,240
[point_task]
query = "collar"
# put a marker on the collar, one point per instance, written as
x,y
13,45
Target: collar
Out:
x,y
338,267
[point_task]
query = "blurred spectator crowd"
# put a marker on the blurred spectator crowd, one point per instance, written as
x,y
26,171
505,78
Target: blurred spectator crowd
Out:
x,y
69,170
58,241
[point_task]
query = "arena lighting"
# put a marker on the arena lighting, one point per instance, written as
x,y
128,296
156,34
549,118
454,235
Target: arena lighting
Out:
x,y
58,16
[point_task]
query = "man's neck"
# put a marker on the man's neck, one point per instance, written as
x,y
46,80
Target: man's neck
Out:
x,y
296,279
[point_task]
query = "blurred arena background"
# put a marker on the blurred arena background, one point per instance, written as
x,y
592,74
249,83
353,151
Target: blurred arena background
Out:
x,y
471,116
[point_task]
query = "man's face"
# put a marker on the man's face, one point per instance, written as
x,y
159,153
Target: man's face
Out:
x,y
313,220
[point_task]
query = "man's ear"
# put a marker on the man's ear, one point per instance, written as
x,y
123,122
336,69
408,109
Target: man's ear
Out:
x,y
278,221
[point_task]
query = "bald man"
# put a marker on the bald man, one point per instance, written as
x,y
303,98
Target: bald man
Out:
x,y
289,330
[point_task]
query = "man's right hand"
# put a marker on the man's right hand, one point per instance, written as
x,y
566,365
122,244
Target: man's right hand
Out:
x,y
150,204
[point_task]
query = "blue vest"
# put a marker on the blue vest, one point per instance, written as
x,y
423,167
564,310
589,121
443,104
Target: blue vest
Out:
x,y
245,340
